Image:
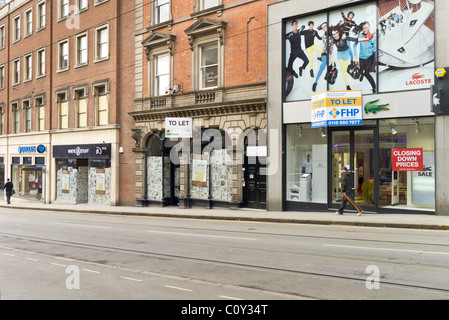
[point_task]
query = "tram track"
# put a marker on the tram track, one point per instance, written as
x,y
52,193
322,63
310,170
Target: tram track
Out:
x,y
246,266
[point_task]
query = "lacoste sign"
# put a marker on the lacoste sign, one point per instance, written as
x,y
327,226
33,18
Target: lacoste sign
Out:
x,y
373,107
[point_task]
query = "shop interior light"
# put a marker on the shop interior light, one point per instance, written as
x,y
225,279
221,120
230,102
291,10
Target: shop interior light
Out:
x,y
323,132
417,127
300,131
393,129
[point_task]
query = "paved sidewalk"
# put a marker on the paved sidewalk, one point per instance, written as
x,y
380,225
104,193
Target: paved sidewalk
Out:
x,y
385,220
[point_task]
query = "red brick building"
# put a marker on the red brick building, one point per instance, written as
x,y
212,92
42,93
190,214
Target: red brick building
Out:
x,y
66,87
203,60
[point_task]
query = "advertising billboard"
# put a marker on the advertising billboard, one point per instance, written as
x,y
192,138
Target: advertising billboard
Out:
x,y
378,46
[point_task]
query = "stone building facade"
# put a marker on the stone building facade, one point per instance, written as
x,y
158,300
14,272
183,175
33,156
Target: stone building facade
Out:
x,y
205,62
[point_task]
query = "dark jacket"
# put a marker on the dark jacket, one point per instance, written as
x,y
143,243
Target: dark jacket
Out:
x,y
8,187
295,40
346,182
309,37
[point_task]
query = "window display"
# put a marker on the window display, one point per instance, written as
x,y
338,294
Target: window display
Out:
x,y
306,164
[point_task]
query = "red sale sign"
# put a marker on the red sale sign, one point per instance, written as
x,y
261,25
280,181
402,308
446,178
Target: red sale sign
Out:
x,y
407,159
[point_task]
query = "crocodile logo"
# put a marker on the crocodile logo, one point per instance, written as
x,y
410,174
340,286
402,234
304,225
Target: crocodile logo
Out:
x,y
373,107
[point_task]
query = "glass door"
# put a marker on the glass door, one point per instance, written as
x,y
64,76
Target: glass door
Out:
x,y
354,149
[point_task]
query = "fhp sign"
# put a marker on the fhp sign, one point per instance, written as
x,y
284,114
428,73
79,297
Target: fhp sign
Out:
x,y
337,108
407,159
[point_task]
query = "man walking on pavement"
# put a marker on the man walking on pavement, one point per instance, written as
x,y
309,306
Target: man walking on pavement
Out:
x,y
8,189
346,189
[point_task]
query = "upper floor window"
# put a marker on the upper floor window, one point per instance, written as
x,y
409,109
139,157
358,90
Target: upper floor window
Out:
x,y
28,67
208,66
16,29
162,10
206,4
162,74
207,47
2,37
81,49
2,118
62,101
63,8
82,4
40,15
98,2
2,77
39,102
63,55
80,97
15,117
101,95
16,71
102,43
26,106
28,22
203,7
40,62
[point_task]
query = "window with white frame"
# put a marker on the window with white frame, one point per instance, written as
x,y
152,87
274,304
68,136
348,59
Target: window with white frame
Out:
x,y
16,29
63,109
102,43
15,117
2,77
101,95
40,62
26,107
207,45
63,55
82,4
208,73
16,71
64,8
28,67
162,10
206,4
98,2
81,49
161,74
39,102
2,37
80,97
28,22
2,118
41,15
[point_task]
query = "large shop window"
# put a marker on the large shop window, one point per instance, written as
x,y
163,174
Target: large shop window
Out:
x,y
211,169
84,173
84,181
306,164
27,177
409,189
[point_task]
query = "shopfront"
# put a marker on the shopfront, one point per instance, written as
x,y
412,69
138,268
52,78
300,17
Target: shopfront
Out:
x,y
28,167
201,166
83,173
381,51
314,158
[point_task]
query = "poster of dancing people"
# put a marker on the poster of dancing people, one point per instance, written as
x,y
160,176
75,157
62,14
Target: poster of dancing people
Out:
x,y
376,47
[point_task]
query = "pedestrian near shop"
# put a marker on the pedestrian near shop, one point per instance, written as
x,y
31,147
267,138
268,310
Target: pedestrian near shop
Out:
x,y
8,187
347,192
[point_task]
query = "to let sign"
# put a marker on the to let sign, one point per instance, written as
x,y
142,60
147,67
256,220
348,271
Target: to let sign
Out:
x,y
178,127
407,159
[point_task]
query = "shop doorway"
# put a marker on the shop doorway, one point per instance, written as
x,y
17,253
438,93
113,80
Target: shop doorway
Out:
x,y
355,149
